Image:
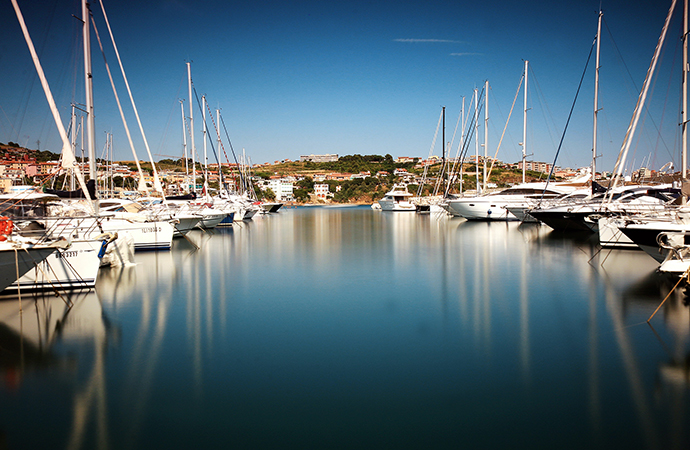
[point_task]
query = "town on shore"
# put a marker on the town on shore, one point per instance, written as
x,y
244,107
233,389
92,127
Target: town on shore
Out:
x,y
313,179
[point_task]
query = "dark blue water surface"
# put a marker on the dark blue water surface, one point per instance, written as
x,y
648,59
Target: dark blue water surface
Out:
x,y
351,328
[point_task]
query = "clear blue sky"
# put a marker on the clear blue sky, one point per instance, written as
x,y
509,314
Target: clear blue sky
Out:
x,y
294,78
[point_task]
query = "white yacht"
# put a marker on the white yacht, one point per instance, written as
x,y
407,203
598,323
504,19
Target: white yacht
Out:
x,y
495,206
397,199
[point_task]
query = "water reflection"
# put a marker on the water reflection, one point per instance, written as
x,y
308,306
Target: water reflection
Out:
x,y
337,327
39,334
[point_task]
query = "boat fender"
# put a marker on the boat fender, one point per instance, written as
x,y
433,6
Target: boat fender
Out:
x,y
104,244
6,227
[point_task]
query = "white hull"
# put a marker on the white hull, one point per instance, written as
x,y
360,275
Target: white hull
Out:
x,y
479,208
397,200
211,220
153,235
20,261
391,205
610,235
65,269
185,224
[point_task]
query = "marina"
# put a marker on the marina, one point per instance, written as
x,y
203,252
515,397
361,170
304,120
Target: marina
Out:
x,y
350,327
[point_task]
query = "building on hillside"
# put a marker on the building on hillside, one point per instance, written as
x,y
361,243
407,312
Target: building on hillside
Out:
x,y
48,167
405,159
362,175
282,188
536,166
321,190
319,158
339,176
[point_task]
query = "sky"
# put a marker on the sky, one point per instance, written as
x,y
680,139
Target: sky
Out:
x,y
356,77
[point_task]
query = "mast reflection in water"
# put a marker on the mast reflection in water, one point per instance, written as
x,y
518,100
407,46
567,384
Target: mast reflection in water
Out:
x,y
347,327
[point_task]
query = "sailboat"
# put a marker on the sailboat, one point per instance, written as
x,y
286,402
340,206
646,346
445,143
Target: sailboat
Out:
x,y
85,223
495,206
667,238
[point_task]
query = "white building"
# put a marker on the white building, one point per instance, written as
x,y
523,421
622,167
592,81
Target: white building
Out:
x,y
319,158
282,188
321,190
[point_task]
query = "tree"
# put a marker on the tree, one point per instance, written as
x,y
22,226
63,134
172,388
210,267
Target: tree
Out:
x,y
268,194
301,195
307,183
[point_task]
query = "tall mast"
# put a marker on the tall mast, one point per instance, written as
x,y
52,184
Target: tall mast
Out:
x,y
221,179
184,141
486,128
191,125
524,128
596,102
476,142
72,184
462,142
639,107
684,156
88,84
68,159
203,133
443,154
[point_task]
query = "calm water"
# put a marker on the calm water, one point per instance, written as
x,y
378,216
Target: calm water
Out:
x,y
350,328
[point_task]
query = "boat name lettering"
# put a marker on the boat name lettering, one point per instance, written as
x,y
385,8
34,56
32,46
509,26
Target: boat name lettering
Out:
x,y
67,254
151,230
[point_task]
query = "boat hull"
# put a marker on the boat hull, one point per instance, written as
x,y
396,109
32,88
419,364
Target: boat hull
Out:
x,y
392,205
19,262
479,209
67,269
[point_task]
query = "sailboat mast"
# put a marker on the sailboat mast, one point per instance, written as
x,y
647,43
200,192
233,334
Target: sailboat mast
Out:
x,y
203,134
476,142
462,142
73,126
684,157
443,154
596,101
223,184
524,128
88,84
486,128
639,107
191,126
184,141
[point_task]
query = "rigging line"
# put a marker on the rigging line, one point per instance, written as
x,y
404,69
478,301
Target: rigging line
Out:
x,y
215,127
469,126
119,105
627,70
242,179
545,107
431,150
173,109
659,136
213,148
632,127
174,106
647,114
220,143
506,125
23,107
457,153
156,181
565,129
